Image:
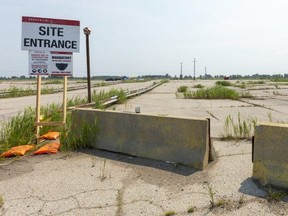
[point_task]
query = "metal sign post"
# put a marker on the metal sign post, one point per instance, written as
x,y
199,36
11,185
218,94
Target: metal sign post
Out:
x,y
87,32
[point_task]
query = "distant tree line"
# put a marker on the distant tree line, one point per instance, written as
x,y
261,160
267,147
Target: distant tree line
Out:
x,y
166,76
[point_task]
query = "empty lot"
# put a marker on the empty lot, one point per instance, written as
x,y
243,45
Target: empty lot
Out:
x,y
93,182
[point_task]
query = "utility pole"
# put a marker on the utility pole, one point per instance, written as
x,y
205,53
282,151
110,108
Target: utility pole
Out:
x,y
205,72
181,76
194,68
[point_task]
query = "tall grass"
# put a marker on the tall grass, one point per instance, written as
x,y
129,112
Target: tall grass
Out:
x,y
20,129
239,128
216,92
100,97
182,89
73,139
223,83
21,92
53,81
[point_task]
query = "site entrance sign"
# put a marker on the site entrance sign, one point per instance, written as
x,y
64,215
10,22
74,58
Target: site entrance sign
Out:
x,y
45,34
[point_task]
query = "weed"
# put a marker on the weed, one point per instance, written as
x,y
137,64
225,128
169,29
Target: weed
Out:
x,y
191,210
275,195
73,138
241,129
198,86
53,81
211,194
269,116
245,94
1,201
223,83
259,82
19,130
220,202
102,175
216,92
102,96
182,89
170,213
241,200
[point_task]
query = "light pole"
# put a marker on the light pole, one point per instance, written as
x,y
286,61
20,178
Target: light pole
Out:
x,y
87,32
181,76
194,69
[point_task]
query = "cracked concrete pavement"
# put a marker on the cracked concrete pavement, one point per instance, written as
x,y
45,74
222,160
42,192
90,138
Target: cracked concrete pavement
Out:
x,y
94,182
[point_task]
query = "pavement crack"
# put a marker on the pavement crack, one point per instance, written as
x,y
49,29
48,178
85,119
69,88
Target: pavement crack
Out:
x,y
211,114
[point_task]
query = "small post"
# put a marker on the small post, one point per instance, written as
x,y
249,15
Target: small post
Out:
x,y
64,99
38,106
87,32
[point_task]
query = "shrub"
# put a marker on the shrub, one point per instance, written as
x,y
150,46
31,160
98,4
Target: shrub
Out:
x,y
216,92
223,83
182,89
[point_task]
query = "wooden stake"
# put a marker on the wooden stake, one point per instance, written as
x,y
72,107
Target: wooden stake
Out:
x,y
64,100
38,106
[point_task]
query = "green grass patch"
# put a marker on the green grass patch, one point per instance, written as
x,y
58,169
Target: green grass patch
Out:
x,y
170,213
273,195
198,86
223,83
1,201
216,92
100,97
53,81
21,92
239,128
73,139
182,89
191,210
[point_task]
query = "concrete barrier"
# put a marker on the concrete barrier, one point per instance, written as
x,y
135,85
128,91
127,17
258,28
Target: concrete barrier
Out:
x,y
179,140
270,155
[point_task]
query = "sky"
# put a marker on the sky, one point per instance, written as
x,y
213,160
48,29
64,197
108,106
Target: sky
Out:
x,y
142,37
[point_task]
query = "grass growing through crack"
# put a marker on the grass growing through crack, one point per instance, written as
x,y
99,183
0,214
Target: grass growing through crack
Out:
x,y
1,201
198,86
239,129
216,92
275,195
191,210
170,213
98,98
102,175
223,83
211,194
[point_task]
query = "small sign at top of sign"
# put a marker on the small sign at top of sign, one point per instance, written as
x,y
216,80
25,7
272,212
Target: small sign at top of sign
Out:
x,y
45,34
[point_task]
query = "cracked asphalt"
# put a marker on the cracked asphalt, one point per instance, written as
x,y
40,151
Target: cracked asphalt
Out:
x,y
94,182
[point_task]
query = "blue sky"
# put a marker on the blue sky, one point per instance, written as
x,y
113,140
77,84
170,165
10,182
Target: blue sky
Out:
x,y
133,37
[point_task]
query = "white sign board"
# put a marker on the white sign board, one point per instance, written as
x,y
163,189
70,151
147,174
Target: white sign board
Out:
x,y
50,63
45,34
61,64
39,63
